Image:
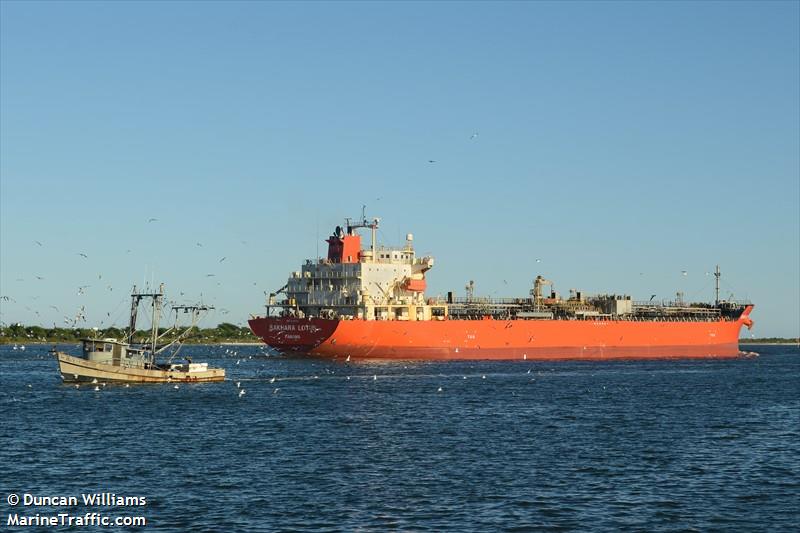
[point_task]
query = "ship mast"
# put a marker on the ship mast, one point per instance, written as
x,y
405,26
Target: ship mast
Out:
x,y
717,275
373,226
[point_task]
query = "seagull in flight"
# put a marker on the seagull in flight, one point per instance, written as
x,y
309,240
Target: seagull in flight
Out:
x,y
431,161
221,260
152,220
37,242
473,136
83,255
684,273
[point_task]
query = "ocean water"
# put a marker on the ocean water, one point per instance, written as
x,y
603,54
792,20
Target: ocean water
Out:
x,y
514,446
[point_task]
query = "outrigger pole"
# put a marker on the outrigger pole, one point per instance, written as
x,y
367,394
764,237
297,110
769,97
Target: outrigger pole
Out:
x,y
195,310
137,297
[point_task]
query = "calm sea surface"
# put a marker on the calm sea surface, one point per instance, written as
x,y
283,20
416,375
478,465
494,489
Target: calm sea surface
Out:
x,y
650,445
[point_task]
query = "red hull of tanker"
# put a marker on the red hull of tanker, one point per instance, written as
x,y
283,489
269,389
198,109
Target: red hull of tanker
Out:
x,y
501,339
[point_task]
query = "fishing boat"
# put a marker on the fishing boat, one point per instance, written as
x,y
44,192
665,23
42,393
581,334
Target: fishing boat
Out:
x,y
106,360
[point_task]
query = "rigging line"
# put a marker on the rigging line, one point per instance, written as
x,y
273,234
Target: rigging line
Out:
x,y
694,295
382,239
175,353
174,341
115,314
728,286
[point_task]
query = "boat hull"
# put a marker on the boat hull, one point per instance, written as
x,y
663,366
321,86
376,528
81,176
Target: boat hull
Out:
x,y
489,339
77,370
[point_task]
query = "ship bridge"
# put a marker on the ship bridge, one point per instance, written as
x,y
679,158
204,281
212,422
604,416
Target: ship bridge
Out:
x,y
377,283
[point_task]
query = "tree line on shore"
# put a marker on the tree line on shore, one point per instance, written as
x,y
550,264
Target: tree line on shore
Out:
x,y
18,333
770,340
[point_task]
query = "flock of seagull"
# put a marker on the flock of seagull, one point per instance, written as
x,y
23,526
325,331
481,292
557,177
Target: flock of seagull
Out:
x,y
74,320
98,386
241,391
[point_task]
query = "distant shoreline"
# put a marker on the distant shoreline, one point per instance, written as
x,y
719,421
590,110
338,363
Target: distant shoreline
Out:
x,y
770,341
225,333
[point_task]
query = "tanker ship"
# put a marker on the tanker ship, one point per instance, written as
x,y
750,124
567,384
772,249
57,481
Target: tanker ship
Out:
x,y
370,303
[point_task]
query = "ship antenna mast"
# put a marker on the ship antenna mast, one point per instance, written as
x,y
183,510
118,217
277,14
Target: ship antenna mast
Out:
x,y
717,275
366,224
373,227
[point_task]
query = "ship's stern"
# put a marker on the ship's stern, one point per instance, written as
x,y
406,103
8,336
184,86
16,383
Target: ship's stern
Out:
x,y
291,334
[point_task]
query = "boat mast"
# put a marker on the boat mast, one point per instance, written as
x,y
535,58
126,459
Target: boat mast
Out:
x,y
156,316
717,275
132,323
137,297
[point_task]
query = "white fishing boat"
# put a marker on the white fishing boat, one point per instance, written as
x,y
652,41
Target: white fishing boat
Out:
x,y
110,360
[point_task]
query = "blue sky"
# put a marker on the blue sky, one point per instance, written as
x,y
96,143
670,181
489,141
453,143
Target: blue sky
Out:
x,y
618,143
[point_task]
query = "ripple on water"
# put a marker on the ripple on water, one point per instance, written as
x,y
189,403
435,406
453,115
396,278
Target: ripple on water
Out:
x,y
650,445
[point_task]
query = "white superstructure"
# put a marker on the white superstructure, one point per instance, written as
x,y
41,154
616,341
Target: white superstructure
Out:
x,y
380,283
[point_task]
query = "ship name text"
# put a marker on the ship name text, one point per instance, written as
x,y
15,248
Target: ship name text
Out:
x,y
292,327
